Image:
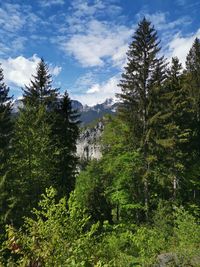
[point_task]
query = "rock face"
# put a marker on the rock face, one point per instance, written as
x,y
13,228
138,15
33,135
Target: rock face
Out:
x,y
172,259
17,104
88,145
166,260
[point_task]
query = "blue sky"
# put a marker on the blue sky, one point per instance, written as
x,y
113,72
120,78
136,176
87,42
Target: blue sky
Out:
x,y
84,42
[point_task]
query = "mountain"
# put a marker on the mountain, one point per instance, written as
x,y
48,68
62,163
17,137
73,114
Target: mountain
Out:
x,y
88,144
17,104
87,114
91,114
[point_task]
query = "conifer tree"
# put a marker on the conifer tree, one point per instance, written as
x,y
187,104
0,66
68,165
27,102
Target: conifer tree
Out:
x,y
193,84
32,161
40,90
173,129
5,119
66,132
5,141
144,71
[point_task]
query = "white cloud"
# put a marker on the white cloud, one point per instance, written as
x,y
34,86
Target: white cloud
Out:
x,y
10,18
55,71
18,71
119,57
48,3
98,92
161,22
18,43
94,89
14,17
101,41
15,22
180,46
84,82
92,39
83,8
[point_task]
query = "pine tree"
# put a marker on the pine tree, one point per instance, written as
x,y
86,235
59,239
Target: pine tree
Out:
x,y
65,133
32,162
144,71
173,129
193,84
5,142
40,90
5,119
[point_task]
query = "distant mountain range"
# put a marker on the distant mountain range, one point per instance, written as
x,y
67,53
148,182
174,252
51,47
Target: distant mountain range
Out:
x,y
88,114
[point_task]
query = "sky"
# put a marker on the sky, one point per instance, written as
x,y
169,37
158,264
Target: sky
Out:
x,y
84,42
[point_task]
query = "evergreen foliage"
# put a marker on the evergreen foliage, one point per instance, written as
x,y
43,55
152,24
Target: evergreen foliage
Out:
x,y
143,72
136,206
5,123
6,130
60,237
44,147
143,75
40,90
32,161
65,133
90,193
55,236
172,128
193,84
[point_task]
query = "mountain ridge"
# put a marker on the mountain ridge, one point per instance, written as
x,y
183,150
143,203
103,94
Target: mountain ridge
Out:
x,y
88,114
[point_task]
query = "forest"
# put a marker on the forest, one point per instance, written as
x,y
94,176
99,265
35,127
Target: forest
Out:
x,y
139,205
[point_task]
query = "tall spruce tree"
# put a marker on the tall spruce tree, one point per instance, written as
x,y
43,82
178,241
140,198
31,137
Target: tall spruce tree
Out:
x,y
5,119
40,90
65,133
144,71
172,128
193,84
32,162
5,142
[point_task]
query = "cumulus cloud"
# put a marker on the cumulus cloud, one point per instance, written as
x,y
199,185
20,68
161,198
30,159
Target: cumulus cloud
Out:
x,y
98,92
90,37
100,42
180,45
18,71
